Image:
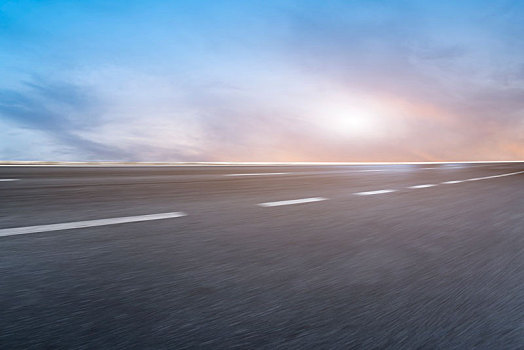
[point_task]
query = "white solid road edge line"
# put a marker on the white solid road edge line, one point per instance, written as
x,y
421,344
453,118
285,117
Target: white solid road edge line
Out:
x,y
9,179
483,178
256,174
292,201
89,223
501,175
368,193
422,186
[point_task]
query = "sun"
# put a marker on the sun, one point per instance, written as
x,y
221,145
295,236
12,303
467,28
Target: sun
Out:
x,y
352,121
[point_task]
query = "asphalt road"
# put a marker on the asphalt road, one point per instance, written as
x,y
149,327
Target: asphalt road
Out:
x,y
296,257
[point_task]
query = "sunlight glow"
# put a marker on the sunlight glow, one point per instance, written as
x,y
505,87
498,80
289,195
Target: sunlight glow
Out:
x,y
353,123
358,119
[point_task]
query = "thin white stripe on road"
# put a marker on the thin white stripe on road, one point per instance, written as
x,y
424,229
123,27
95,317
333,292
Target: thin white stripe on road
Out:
x,y
422,186
9,179
256,174
368,193
89,223
292,201
483,178
452,182
501,175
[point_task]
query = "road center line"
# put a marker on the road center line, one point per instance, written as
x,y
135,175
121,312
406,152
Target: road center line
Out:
x,y
292,201
9,179
89,223
256,174
422,186
368,193
452,182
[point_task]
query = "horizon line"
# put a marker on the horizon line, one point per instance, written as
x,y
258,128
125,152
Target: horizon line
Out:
x,y
204,163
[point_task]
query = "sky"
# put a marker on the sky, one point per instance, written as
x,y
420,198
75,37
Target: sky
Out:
x,y
271,80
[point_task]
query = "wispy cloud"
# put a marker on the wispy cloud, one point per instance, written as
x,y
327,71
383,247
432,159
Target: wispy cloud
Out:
x,y
268,81
60,110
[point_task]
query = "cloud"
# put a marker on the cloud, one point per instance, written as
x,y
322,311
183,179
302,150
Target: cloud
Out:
x,y
333,81
59,110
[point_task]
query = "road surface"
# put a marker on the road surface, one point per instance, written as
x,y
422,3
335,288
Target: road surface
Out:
x,y
270,257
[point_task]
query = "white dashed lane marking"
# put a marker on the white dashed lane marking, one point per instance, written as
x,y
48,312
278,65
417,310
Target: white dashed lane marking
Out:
x,y
292,201
452,182
422,186
90,223
161,216
369,193
256,174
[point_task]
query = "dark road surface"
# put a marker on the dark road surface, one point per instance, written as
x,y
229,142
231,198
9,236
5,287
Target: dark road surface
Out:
x,y
362,257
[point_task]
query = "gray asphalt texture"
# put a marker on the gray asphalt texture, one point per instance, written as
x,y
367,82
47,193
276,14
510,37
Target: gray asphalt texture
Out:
x,y
433,268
